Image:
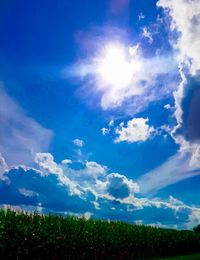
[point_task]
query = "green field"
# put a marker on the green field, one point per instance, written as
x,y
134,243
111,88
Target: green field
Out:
x,y
34,236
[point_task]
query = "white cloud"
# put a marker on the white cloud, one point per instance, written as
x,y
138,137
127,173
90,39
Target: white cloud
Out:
x,y
185,20
147,34
144,81
111,123
95,169
66,161
3,167
110,195
141,16
137,130
78,142
195,158
27,193
175,169
48,166
143,87
193,218
105,131
167,106
20,136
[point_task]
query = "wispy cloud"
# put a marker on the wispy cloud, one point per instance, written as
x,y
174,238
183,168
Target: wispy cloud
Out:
x,y
78,142
175,169
147,34
147,75
20,135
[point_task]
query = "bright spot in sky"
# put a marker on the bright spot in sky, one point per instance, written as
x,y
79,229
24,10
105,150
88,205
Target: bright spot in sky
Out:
x,y
114,67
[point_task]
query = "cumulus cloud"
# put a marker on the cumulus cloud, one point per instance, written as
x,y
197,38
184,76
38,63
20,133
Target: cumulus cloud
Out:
x,y
48,166
78,142
94,168
185,25
137,130
102,195
20,136
120,187
186,21
187,110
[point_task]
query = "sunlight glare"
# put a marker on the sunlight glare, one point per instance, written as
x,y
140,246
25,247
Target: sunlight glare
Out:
x,y
114,68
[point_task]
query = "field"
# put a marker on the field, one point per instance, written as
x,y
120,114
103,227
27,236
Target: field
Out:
x,y
186,257
34,236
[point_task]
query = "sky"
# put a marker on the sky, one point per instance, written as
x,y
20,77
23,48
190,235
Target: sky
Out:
x,y
99,109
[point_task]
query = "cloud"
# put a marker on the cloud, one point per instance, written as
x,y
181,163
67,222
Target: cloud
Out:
x,y
185,28
95,168
111,123
187,110
141,16
105,131
20,136
147,34
167,106
48,166
120,187
51,189
186,22
27,193
187,45
176,168
143,85
3,167
78,142
137,130
148,74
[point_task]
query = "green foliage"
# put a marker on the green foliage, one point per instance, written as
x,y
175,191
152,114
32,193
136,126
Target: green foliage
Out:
x,y
34,236
197,228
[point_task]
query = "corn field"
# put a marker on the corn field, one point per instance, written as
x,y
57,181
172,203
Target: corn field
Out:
x,y
35,236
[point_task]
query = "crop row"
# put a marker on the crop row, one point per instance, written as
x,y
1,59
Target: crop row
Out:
x,y
36,236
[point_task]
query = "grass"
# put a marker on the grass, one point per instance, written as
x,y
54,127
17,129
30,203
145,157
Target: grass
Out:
x,y
35,236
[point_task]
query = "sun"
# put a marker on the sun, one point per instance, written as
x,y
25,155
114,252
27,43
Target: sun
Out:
x,y
114,66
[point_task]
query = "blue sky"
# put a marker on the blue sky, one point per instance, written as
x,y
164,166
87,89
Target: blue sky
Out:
x,y
99,109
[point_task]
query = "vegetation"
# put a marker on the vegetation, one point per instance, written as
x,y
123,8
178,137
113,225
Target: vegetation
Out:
x,y
185,257
197,228
34,236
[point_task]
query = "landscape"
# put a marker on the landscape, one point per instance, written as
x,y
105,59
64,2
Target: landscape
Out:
x,y
100,129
